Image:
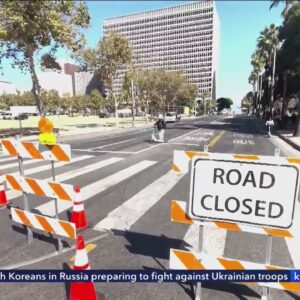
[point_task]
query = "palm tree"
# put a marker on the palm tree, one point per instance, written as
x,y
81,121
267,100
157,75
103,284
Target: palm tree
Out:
x,y
257,62
288,4
267,44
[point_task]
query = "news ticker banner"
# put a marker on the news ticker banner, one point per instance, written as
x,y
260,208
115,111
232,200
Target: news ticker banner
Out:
x,y
180,276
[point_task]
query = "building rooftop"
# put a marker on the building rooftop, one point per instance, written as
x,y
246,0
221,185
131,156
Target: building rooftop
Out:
x,y
158,12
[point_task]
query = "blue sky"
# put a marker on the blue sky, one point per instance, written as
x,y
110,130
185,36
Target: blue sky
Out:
x,y
240,24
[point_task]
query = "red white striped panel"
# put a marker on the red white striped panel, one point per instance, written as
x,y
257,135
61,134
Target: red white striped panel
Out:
x,y
179,213
57,152
43,223
39,187
185,260
182,159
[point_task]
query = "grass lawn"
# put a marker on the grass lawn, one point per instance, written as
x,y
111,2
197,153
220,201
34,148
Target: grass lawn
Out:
x,y
64,122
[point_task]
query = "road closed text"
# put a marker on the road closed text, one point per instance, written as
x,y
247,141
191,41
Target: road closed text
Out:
x,y
244,192
245,206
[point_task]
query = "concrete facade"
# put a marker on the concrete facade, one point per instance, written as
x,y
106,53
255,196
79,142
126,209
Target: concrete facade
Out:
x,y
184,37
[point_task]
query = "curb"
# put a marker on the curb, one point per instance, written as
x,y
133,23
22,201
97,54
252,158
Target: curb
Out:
x,y
288,141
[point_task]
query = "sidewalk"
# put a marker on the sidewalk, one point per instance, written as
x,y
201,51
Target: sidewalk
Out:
x,y
288,137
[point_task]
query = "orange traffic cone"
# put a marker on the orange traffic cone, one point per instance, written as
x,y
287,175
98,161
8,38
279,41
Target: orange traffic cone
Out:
x,y
82,290
78,214
3,199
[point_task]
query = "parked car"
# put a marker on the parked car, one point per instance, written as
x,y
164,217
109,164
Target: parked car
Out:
x,y
7,116
22,116
2,114
170,117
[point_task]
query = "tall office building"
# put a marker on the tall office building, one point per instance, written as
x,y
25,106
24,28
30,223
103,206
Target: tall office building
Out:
x,y
183,37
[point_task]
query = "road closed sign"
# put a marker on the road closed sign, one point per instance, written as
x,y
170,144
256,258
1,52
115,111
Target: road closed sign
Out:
x,y
240,191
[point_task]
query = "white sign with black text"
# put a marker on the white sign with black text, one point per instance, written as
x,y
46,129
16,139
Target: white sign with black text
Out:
x,y
254,193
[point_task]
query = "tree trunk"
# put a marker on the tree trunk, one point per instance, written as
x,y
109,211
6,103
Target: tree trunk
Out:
x,y
147,111
284,102
36,88
133,103
116,108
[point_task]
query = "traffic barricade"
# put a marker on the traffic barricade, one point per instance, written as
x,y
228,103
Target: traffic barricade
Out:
x,y
217,182
42,188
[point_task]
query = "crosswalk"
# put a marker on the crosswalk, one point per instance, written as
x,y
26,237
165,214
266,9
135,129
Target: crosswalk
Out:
x,y
127,213
123,216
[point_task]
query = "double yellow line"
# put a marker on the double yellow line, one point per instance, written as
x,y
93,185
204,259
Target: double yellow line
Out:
x,y
216,139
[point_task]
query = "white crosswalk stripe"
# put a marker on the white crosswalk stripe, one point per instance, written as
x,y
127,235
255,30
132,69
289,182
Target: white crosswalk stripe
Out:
x,y
47,166
16,164
6,159
124,216
74,173
97,187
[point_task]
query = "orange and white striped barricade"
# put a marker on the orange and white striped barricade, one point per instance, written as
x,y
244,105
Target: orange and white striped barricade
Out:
x,y
186,260
182,163
42,188
179,214
39,187
47,224
182,159
57,152
23,149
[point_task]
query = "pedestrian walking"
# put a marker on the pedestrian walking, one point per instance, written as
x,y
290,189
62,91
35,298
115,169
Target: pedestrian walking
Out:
x,y
160,125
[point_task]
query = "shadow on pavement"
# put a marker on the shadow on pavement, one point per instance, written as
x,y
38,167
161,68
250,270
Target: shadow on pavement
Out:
x,y
150,245
241,291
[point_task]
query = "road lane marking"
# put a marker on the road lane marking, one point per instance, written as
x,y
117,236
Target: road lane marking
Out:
x,y
16,164
181,136
47,166
243,142
215,139
5,159
125,215
107,145
105,151
74,173
185,144
97,187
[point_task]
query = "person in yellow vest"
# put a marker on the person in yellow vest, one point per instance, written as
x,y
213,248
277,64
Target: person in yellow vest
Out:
x,y
46,136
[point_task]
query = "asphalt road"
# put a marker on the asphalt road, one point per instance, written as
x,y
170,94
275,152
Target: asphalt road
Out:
x,y
127,185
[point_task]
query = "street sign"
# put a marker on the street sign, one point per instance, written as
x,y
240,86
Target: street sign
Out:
x,y
238,191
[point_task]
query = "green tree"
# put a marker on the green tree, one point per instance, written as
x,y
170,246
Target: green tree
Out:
x,y
287,5
289,58
224,103
245,104
96,101
51,100
267,44
110,55
29,28
160,89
